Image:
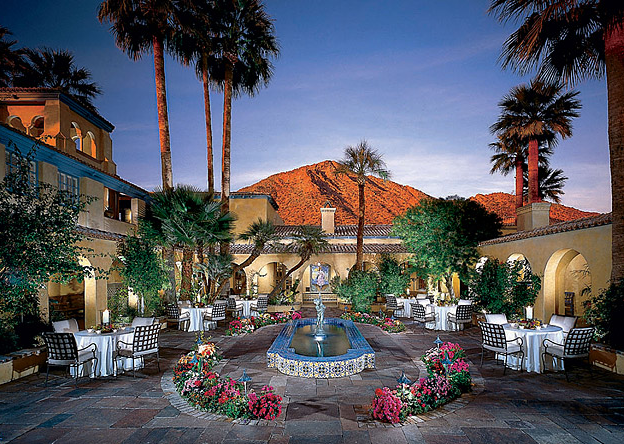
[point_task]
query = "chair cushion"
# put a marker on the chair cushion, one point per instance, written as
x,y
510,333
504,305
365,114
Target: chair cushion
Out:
x,y
568,323
67,326
85,355
496,318
142,321
464,302
511,348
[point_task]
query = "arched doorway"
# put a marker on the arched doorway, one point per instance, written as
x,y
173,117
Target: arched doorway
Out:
x,y
270,275
239,283
567,283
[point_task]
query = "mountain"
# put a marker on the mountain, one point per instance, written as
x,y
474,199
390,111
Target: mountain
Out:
x,y
301,193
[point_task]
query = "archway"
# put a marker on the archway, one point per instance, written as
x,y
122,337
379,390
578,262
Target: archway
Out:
x,y
16,123
76,135
239,283
567,283
269,276
89,146
37,126
417,284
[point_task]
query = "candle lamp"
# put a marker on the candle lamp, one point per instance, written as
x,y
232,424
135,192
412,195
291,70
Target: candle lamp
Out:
x,y
106,317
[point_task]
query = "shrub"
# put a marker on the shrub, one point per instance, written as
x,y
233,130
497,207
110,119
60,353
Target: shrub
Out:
x,y
392,279
605,311
360,289
386,405
266,406
386,324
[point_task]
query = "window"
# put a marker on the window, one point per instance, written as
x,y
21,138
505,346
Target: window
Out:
x,y
68,183
37,126
13,163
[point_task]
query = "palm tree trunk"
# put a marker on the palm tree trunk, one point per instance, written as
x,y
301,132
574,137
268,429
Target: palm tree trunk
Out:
x,y
187,273
209,155
169,257
227,139
280,284
614,54
200,259
359,251
163,118
533,162
519,182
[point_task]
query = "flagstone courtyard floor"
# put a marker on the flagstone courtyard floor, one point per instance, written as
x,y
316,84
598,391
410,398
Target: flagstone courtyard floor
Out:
x,y
515,408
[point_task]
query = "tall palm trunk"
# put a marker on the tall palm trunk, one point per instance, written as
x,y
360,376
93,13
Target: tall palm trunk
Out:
x,y
187,273
163,118
169,257
227,139
209,155
533,162
359,251
519,184
614,53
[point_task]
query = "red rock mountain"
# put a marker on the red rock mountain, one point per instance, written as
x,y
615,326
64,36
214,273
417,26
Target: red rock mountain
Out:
x,y
301,193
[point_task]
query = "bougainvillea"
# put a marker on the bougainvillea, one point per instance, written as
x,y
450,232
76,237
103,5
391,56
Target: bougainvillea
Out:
x,y
266,406
386,405
387,324
241,326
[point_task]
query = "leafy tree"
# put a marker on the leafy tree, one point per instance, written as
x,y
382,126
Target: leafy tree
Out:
x,y
604,311
216,268
551,184
38,239
142,270
360,288
569,42
532,114
307,241
443,236
359,162
50,68
141,27
392,278
183,217
504,287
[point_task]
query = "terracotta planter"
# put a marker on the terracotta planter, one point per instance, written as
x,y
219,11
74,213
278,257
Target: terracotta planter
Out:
x,y
606,357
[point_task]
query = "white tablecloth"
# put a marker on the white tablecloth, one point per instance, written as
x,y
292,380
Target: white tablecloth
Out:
x,y
441,322
196,316
407,303
533,346
246,304
106,344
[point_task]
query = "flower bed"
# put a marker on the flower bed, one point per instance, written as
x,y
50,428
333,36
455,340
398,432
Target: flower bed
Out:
x,y
241,326
447,378
387,324
206,390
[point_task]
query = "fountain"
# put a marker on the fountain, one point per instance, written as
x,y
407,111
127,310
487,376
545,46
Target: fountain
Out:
x,y
321,281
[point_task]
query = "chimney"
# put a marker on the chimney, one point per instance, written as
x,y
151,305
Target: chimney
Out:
x,y
327,218
533,216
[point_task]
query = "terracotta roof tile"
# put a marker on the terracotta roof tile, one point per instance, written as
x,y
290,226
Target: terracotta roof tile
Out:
x,y
342,230
333,249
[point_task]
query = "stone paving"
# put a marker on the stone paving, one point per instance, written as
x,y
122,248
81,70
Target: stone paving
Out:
x,y
517,407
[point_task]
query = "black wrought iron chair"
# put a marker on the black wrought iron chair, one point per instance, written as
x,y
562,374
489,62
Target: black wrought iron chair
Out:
x,y
233,308
419,314
392,306
64,352
260,306
463,315
575,346
217,314
175,316
493,339
144,343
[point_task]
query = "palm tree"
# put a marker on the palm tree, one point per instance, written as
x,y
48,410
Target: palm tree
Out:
x,y
551,183
140,27
11,61
307,241
359,162
183,217
243,44
533,113
511,154
50,68
569,42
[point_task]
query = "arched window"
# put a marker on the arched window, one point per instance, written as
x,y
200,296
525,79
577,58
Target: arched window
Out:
x,y
36,126
88,146
76,135
16,122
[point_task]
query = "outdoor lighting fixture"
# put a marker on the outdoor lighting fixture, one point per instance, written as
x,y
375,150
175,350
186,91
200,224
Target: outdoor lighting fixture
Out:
x,y
381,313
438,342
346,307
245,379
404,379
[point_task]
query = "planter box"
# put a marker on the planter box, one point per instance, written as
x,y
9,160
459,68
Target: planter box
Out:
x,y
283,308
22,363
607,358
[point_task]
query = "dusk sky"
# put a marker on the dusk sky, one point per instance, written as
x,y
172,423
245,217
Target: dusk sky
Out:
x,y
419,80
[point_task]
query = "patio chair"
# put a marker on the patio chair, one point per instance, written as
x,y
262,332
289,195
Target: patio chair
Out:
x,y
67,326
260,306
144,343
566,323
420,315
63,351
138,322
463,315
393,306
575,346
233,308
498,318
493,339
175,316
431,298
217,314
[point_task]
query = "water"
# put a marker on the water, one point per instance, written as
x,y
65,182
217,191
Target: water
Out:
x,y
335,342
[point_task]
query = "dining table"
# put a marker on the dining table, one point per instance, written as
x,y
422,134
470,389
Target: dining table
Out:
x,y
441,322
407,305
533,348
245,304
196,316
106,344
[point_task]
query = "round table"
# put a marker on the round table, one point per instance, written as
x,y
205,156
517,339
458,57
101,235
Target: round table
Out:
x,y
407,304
441,322
196,316
106,344
246,305
532,346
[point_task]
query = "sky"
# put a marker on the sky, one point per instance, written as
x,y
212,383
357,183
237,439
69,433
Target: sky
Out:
x,y
418,79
